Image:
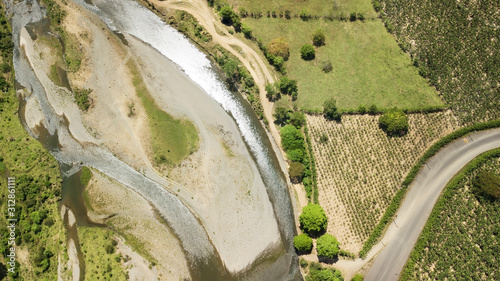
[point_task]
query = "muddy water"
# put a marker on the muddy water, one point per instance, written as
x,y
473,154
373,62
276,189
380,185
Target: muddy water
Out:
x,y
205,264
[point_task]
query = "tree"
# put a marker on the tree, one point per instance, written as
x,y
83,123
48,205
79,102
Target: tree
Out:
x,y
296,172
394,122
319,273
303,243
307,52
318,38
282,116
298,119
226,12
247,31
291,138
373,109
487,183
313,219
330,110
327,246
279,47
271,93
288,86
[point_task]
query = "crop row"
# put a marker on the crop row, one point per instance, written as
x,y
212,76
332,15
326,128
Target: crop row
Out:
x,y
455,45
359,168
461,238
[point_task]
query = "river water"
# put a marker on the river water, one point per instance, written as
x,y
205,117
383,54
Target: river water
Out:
x,y
127,16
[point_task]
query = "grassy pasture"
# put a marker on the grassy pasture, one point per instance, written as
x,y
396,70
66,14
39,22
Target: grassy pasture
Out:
x,y
368,65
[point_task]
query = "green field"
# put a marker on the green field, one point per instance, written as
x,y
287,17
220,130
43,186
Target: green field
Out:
x,y
461,239
314,7
368,65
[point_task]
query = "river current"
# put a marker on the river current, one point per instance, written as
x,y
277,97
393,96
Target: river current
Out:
x,y
127,16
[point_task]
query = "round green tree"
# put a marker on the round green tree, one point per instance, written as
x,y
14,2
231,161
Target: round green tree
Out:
x,y
303,242
327,246
313,219
307,52
394,122
318,38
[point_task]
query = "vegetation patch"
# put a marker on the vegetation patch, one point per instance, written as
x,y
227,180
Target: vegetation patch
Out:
x,y
40,232
85,176
82,98
360,169
316,272
172,139
99,252
367,65
461,237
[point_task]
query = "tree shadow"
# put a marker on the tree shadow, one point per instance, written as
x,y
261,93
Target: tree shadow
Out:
x,y
328,260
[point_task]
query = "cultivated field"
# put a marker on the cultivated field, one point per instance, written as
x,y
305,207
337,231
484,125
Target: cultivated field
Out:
x,y
462,236
368,67
455,44
359,168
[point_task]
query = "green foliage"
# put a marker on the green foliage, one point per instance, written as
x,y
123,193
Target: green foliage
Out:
x,y
394,122
327,246
85,176
302,243
5,67
272,94
82,98
488,184
398,198
474,224
282,116
291,138
298,119
357,277
247,31
318,38
296,172
303,263
313,219
458,57
330,110
319,273
55,12
352,17
279,47
226,12
307,52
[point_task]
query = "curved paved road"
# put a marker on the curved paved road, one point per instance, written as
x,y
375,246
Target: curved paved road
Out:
x,y
402,234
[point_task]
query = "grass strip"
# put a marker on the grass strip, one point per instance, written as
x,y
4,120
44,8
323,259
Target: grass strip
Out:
x,y
398,198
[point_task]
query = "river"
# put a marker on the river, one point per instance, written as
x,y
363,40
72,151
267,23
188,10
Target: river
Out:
x,y
127,16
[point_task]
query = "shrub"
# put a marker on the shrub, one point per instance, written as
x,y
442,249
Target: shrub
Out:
x,y
247,31
298,119
353,16
487,183
4,67
271,93
303,263
291,138
307,52
287,15
357,277
394,122
279,47
296,172
226,12
243,12
362,109
373,109
361,16
303,243
288,86
326,67
327,246
330,110
319,273
304,15
282,116
313,219
318,38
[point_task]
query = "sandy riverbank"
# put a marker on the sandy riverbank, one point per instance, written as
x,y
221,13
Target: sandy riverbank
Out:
x,y
220,182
